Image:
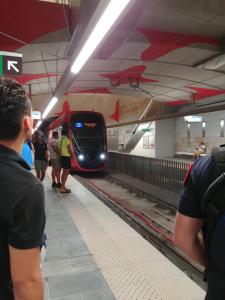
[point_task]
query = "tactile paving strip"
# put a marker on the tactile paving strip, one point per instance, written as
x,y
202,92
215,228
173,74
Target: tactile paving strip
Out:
x,y
121,274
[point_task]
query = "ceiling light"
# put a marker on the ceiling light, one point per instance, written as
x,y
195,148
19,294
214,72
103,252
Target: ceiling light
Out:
x,y
193,119
110,15
49,107
38,125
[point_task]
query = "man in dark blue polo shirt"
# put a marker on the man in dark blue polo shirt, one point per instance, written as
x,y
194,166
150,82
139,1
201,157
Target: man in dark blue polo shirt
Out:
x,y
189,222
22,216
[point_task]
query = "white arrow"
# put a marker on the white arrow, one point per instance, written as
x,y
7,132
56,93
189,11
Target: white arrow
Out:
x,y
11,64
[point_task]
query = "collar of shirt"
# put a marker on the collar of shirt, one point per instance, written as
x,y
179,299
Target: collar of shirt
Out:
x,y
10,154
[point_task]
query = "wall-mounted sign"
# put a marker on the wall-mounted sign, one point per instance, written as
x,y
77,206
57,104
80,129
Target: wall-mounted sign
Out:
x,y
10,63
145,130
36,115
193,119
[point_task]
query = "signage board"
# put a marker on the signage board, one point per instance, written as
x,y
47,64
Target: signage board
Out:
x,y
36,115
145,130
10,63
193,119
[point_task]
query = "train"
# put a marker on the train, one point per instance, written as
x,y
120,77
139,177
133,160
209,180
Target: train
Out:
x,y
87,134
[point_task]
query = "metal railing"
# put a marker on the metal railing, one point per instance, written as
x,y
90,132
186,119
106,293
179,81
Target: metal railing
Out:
x,y
166,174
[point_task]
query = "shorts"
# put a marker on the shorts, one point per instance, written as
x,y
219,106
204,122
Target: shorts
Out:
x,y
56,163
66,162
40,165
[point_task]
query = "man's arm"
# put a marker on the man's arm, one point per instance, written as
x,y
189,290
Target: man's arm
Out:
x,y
69,147
186,237
26,274
47,152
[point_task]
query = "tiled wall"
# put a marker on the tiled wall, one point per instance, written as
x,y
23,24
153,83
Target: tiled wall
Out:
x,y
212,132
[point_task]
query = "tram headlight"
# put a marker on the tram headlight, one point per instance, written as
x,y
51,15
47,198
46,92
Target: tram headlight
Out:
x,y
102,156
81,157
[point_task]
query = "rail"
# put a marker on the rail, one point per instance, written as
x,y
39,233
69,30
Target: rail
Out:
x,y
166,174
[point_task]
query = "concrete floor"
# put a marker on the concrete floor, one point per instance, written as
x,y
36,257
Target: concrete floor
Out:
x,y
69,270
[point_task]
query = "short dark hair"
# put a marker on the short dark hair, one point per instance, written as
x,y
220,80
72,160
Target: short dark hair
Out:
x,y
14,105
64,132
55,134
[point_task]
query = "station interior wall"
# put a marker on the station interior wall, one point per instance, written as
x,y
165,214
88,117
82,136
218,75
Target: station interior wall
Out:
x,y
171,136
158,142
213,131
164,138
146,146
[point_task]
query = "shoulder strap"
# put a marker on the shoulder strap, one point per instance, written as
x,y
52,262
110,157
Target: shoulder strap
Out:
x,y
218,156
217,176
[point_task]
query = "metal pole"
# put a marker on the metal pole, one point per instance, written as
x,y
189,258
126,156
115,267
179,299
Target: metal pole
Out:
x,y
30,92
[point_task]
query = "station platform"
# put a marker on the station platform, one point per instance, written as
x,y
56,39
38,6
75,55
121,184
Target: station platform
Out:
x,y
92,254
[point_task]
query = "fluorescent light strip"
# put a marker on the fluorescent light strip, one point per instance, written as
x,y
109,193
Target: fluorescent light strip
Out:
x,y
14,54
110,15
38,124
49,107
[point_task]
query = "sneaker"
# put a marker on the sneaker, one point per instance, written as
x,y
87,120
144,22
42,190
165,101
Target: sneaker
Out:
x,y
54,184
58,185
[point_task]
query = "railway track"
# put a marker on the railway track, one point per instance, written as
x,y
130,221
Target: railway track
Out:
x,y
152,218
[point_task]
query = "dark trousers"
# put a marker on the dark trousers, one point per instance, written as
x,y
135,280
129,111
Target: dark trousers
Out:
x,y
215,291
6,290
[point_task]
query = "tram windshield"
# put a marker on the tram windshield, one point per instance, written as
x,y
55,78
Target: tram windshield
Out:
x,y
88,132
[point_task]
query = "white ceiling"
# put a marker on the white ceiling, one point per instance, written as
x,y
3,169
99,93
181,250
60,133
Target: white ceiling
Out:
x,y
174,71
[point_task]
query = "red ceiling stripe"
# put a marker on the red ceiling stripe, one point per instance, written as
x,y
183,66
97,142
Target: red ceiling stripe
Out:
x,y
201,93
162,42
124,77
205,92
100,90
24,78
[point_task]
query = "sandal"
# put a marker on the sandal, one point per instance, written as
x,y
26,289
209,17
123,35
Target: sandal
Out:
x,y
66,191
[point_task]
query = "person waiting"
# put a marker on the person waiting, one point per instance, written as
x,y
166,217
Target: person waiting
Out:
x,y
55,160
40,156
65,156
200,149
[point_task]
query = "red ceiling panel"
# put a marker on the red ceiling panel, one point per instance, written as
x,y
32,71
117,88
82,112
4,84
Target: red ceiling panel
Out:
x,y
24,78
27,20
100,90
198,94
162,42
129,75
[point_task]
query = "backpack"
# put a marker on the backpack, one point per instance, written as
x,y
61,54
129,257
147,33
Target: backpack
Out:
x,y
213,205
58,149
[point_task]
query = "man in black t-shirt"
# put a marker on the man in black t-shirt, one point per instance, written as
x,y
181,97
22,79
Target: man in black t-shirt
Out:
x,y
22,216
189,222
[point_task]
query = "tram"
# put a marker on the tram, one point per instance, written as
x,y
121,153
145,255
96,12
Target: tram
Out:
x,y
87,134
